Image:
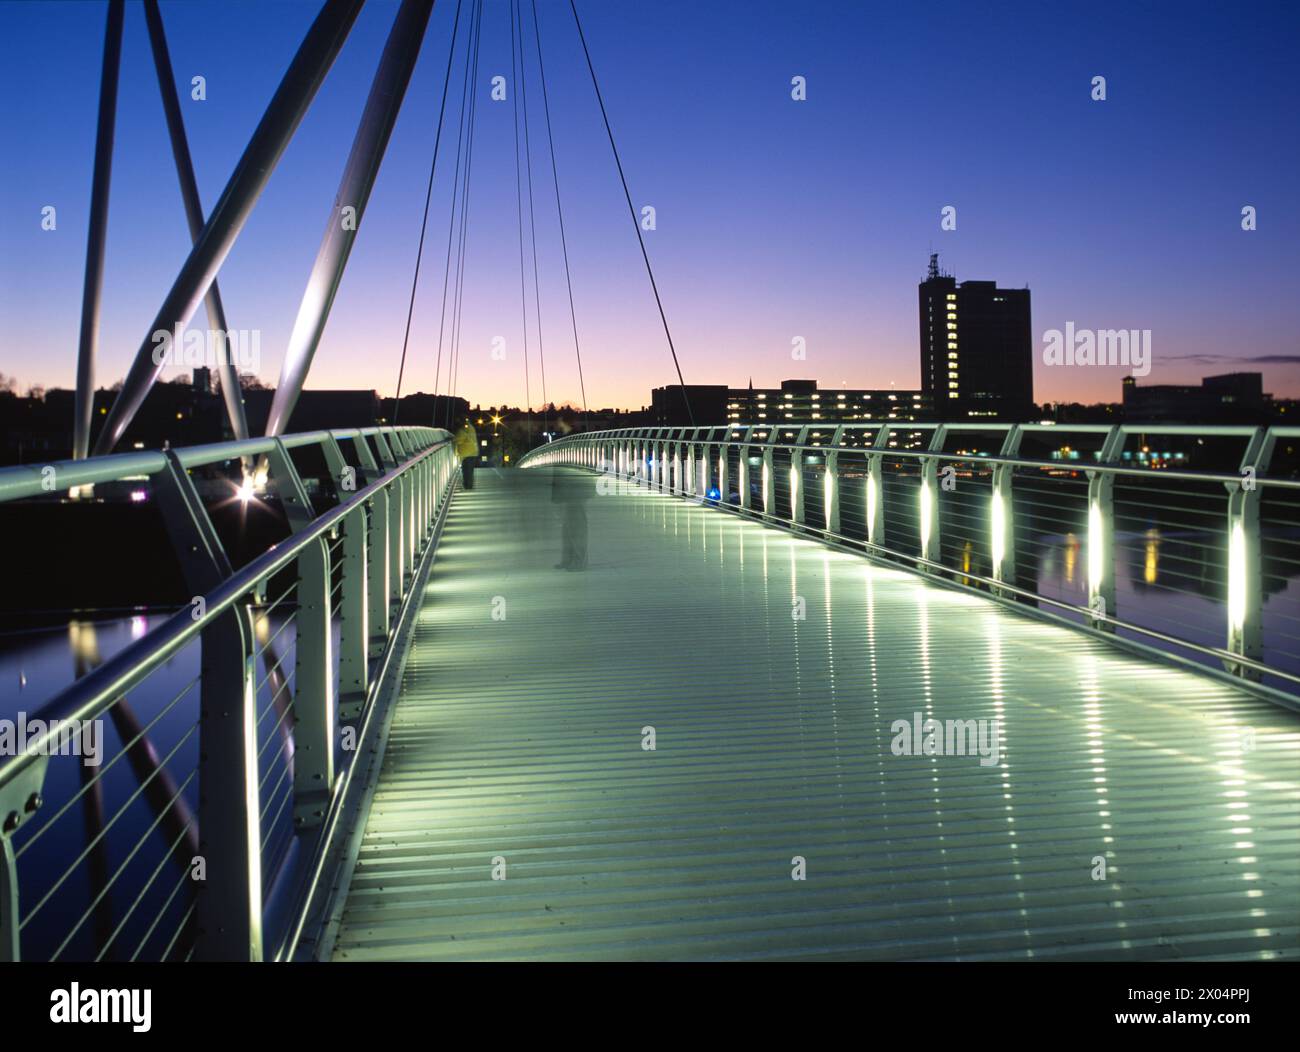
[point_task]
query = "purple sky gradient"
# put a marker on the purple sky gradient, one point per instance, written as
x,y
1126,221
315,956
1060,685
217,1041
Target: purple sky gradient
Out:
x,y
775,218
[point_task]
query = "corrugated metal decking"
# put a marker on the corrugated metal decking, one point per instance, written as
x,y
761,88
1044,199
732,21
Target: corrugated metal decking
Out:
x,y
521,739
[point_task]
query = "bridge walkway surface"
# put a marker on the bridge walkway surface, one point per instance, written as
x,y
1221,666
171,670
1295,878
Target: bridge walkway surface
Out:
x,y
518,750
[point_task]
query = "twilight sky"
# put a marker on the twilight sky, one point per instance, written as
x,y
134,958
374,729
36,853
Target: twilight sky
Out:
x,y
775,218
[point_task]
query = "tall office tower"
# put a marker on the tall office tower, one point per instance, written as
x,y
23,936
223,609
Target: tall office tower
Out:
x,y
977,357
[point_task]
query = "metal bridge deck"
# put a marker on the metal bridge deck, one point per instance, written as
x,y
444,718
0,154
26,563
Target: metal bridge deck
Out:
x,y
521,739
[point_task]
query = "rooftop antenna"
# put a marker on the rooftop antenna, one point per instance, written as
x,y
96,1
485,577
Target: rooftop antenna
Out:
x,y
934,267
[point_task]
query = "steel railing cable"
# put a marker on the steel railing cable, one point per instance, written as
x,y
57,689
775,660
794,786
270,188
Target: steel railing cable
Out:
x,y
121,869
144,890
458,313
559,209
654,287
106,767
424,223
455,192
532,207
519,210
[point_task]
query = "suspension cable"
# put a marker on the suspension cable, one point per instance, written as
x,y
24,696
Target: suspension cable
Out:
x,y
532,211
559,209
428,195
519,210
451,221
458,315
632,210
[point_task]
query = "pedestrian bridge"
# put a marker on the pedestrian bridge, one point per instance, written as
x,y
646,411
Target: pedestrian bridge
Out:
x,y
711,741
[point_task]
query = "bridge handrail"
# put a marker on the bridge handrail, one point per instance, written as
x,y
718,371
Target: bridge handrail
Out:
x,y
88,697
33,480
664,434
390,522
695,461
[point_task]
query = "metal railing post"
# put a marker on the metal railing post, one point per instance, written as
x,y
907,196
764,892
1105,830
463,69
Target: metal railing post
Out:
x,y
313,693
314,714
411,535
20,798
929,510
1002,527
796,479
742,476
354,622
370,469
379,580
831,484
1245,607
229,900
228,903
386,457
397,519
769,474
876,487
1101,534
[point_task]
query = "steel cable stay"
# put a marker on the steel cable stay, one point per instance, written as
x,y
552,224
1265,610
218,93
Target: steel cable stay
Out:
x,y
455,191
519,210
532,209
654,287
457,313
424,222
559,209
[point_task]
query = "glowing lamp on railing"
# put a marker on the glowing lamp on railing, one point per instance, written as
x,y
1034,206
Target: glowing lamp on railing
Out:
x,y
873,500
1237,577
997,515
927,516
794,489
1096,548
828,496
253,483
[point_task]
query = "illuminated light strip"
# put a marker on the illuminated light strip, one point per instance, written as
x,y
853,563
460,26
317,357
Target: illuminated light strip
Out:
x,y
1096,545
998,515
1237,577
873,499
927,516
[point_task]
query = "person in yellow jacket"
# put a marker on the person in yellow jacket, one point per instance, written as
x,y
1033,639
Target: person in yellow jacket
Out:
x,y
467,453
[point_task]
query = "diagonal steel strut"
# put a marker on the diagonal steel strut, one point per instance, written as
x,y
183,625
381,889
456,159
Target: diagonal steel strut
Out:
x,y
97,233
287,108
230,390
368,146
